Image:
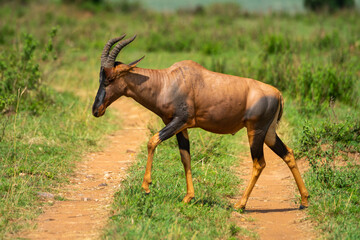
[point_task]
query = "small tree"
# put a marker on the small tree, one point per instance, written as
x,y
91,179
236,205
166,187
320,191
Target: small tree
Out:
x,y
331,5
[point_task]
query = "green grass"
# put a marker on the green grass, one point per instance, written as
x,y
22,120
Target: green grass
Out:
x,y
330,142
38,152
312,58
43,132
335,206
161,214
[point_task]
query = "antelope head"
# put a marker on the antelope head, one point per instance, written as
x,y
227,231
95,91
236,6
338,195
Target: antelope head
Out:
x,y
111,79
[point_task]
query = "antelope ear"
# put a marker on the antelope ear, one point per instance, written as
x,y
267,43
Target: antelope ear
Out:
x,y
133,64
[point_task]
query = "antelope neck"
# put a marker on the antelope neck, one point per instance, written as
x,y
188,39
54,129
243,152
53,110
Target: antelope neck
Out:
x,y
145,85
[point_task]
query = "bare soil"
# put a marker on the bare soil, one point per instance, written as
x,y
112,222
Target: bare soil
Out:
x,y
273,209
86,208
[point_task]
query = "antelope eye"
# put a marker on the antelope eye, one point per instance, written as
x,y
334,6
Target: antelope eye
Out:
x,y
107,82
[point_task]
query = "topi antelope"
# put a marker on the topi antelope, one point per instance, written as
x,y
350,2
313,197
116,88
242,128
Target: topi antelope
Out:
x,y
187,95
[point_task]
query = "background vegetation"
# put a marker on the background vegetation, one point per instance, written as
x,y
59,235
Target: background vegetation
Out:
x,y
49,67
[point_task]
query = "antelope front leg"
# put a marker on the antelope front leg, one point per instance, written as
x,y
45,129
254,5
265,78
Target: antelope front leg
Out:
x,y
153,142
184,147
175,126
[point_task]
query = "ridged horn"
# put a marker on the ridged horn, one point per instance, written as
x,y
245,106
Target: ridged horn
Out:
x,y
136,61
111,59
108,45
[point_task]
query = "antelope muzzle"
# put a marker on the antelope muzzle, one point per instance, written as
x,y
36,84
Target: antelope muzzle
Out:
x,y
99,107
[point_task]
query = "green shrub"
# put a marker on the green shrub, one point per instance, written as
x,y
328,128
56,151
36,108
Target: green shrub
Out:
x,y
19,73
6,32
314,87
344,135
209,47
276,43
334,177
95,6
218,65
316,5
21,78
176,42
224,13
323,146
278,71
328,40
83,1
226,10
49,49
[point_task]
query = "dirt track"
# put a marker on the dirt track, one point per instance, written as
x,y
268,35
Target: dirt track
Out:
x,y
271,210
86,209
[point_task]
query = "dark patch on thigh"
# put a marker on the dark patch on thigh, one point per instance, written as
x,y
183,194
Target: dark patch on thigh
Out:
x,y
263,110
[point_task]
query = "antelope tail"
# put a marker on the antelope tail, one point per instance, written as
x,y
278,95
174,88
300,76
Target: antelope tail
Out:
x,y
281,108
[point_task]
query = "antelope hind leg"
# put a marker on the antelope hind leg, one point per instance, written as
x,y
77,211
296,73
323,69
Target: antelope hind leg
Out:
x,y
184,147
287,155
257,153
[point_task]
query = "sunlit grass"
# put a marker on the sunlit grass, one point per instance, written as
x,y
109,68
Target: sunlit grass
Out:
x,y
161,214
38,151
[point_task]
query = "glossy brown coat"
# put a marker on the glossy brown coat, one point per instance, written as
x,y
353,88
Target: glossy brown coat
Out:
x,y
187,95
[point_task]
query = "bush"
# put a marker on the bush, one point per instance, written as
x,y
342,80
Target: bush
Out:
x,y
83,1
227,10
334,178
276,43
328,40
343,135
178,42
6,32
314,87
21,77
94,6
331,5
278,70
326,144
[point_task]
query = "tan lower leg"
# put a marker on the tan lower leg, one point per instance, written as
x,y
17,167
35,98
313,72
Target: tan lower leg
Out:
x,y
290,161
154,141
258,166
185,158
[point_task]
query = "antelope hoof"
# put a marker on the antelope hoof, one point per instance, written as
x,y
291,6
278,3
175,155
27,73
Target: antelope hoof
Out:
x,y
304,203
302,207
145,186
239,209
188,198
239,206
